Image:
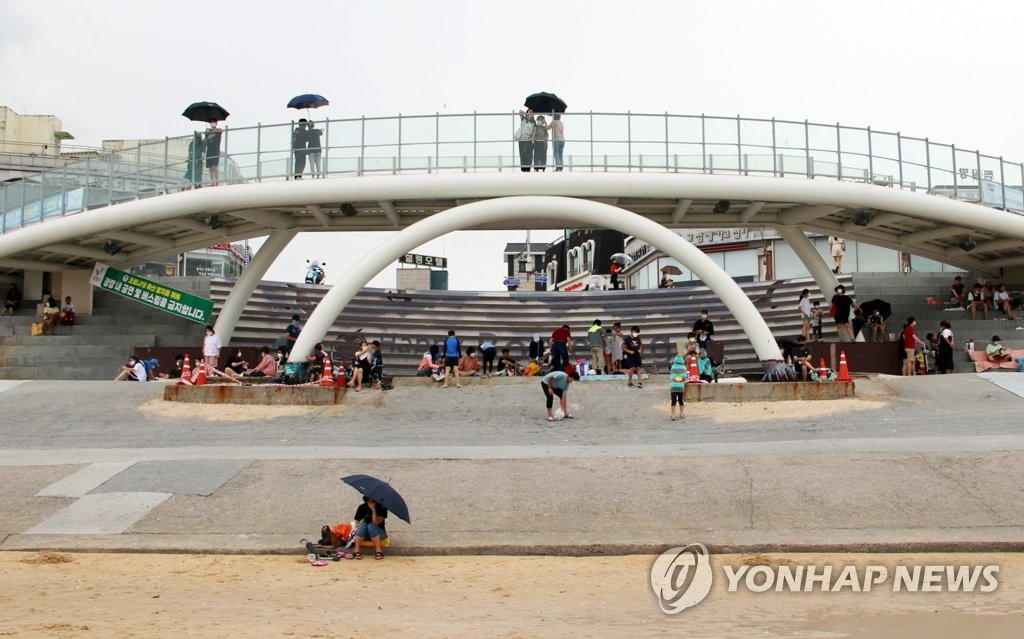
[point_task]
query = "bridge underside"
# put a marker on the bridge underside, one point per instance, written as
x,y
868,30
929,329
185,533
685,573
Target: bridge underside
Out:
x,y
136,231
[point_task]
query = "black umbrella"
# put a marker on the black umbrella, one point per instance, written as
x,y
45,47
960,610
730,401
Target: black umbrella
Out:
x,y
307,101
381,492
867,308
545,103
205,112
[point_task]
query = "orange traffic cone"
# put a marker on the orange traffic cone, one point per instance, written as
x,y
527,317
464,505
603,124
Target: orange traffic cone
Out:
x,y
201,380
844,371
692,373
822,371
186,373
327,379
341,382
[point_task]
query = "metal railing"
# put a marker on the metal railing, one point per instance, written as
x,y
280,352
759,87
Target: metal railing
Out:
x,y
483,142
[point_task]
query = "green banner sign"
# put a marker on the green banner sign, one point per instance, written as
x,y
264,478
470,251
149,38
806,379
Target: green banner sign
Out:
x,y
165,298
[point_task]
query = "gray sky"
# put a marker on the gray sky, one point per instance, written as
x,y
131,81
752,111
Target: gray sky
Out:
x,y
118,69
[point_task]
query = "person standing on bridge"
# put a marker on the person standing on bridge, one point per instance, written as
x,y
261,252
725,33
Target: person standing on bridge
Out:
x,y
558,140
540,144
300,143
315,151
213,152
524,135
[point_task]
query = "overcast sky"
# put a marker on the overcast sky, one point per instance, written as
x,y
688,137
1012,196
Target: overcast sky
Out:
x,y
944,70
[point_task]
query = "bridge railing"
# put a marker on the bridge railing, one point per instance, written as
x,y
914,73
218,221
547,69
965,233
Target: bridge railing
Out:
x,y
484,142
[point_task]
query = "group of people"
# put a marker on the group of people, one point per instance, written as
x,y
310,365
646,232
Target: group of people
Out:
x,y
306,145
982,296
533,134
937,347
204,145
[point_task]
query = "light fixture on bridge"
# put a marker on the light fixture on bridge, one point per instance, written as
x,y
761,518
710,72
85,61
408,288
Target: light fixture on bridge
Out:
x,y
348,210
968,244
110,247
863,219
723,206
214,222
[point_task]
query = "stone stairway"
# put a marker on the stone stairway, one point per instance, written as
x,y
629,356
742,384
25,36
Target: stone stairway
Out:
x,y
97,344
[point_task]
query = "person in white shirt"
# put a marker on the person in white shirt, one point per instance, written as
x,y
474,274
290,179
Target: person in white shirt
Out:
x,y
806,312
211,348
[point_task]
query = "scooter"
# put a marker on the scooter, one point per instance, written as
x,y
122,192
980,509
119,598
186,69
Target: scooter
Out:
x,y
315,273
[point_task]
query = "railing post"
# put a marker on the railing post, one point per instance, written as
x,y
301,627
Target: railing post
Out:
x,y
437,140
956,176
629,141
703,146
110,179
393,170
1002,181
807,148
977,156
775,153
259,149
474,144
362,145
928,162
739,147
839,152
324,169
871,159
138,169
899,156
592,144
667,164
167,161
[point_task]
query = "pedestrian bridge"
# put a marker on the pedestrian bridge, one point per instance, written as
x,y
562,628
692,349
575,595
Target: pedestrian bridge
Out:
x,y
640,173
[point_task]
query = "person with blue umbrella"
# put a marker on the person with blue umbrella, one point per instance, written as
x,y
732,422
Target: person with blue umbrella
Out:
x,y
378,498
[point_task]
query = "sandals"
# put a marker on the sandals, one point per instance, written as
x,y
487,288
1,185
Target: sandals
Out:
x,y
570,417
357,555
378,555
551,419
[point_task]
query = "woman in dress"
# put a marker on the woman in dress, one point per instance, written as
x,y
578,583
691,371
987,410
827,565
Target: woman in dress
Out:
x,y
843,305
944,354
540,144
837,249
213,152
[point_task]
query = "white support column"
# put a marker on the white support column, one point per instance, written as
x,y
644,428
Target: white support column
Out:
x,y
248,281
531,208
815,263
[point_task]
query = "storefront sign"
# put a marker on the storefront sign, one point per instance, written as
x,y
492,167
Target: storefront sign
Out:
x,y
169,300
423,260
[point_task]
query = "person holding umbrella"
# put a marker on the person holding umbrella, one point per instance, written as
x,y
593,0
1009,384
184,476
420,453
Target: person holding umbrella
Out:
x,y
372,518
213,152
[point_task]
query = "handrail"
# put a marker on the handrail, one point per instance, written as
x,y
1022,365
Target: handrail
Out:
x,y
483,142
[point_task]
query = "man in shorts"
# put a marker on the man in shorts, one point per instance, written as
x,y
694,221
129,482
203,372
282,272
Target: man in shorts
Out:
x,y
452,353
632,350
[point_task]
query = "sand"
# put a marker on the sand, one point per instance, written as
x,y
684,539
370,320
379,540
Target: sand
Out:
x,y
52,594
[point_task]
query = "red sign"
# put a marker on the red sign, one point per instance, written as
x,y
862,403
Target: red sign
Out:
x,y
575,286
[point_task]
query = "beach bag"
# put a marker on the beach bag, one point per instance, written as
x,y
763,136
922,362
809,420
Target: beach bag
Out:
x,y
36,328
832,310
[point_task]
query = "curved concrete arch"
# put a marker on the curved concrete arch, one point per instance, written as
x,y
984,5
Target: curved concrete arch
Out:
x,y
584,212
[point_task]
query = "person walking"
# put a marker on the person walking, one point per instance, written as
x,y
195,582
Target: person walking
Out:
x,y
595,337
313,149
525,139
452,354
561,347
806,312
557,383
837,249
558,140
842,305
632,349
300,143
677,385
213,135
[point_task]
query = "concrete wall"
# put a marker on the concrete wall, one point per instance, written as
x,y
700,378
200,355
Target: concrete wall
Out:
x,y
25,134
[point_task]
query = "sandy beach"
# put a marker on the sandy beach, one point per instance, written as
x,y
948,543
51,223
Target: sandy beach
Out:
x,y
63,595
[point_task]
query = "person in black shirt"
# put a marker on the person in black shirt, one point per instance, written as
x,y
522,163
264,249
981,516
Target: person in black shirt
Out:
x,y
300,145
704,324
802,357
372,521
213,152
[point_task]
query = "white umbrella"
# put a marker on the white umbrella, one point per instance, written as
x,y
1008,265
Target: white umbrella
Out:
x,y
622,259
596,282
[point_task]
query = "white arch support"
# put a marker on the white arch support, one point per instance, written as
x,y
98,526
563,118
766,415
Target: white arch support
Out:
x,y
545,208
248,281
811,258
